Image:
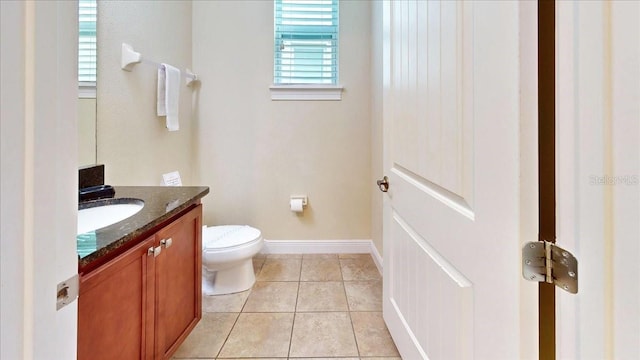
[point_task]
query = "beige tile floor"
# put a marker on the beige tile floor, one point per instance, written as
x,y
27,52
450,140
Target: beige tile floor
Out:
x,y
301,307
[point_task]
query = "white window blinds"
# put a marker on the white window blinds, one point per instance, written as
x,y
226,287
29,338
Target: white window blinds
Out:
x,y
306,42
87,48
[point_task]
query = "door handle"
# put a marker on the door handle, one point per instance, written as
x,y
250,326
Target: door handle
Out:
x,y
383,184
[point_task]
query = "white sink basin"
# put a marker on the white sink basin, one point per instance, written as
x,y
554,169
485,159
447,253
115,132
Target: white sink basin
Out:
x,y
105,214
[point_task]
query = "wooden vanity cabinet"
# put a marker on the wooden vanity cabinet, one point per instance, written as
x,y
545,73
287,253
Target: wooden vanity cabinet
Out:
x,y
145,302
178,301
115,307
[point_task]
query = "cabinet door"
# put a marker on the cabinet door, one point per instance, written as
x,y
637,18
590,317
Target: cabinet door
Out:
x,y
178,282
118,299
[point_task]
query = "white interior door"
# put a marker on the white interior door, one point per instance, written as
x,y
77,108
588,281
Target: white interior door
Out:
x,y
460,147
38,187
598,176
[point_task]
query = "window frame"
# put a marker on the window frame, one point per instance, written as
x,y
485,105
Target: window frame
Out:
x,y
307,91
87,89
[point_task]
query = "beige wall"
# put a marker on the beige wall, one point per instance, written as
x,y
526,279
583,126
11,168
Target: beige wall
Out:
x,y
254,153
86,131
377,170
133,142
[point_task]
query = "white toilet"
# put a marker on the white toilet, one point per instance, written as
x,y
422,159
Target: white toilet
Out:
x,y
227,252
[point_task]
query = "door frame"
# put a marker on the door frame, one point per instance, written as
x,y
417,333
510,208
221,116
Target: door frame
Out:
x,y
597,165
546,31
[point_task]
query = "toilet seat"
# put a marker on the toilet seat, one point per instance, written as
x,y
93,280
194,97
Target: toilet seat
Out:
x,y
227,237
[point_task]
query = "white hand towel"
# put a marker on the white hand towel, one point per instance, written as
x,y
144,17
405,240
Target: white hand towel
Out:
x,y
169,95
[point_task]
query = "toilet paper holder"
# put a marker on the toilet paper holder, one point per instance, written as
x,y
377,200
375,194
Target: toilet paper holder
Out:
x,y
298,203
299,197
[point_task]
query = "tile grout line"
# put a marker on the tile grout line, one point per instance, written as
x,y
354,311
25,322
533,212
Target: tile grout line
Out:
x,y
295,308
227,337
236,321
344,288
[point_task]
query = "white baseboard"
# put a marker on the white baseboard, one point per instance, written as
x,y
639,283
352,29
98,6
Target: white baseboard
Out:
x,y
377,258
323,247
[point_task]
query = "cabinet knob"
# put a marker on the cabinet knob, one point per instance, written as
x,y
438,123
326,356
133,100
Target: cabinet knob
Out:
x,y
155,251
166,242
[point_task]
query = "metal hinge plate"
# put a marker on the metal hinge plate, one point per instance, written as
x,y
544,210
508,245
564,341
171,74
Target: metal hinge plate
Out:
x,y
544,261
67,291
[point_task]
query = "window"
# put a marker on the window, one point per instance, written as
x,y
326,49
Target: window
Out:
x,y
87,47
306,42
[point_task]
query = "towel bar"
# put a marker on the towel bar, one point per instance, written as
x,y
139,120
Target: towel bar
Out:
x,y
130,58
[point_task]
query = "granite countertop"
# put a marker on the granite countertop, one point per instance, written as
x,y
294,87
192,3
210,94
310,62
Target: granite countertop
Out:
x,y
161,203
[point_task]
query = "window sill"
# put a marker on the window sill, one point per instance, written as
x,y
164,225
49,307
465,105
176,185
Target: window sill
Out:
x,y
87,90
306,92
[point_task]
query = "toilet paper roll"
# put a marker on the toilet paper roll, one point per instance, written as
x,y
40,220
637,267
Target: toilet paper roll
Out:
x,y
296,205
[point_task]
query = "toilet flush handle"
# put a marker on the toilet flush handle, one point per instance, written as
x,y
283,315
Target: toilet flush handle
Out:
x,y
166,242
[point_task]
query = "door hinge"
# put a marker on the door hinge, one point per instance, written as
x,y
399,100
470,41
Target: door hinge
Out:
x,y
544,261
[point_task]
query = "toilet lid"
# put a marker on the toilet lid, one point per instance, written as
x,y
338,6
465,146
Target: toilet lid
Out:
x,y
217,237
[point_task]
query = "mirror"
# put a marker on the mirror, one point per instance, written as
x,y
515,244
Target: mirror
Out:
x,y
86,131
87,71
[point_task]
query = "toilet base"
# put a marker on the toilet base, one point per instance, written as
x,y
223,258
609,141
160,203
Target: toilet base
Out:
x,y
228,281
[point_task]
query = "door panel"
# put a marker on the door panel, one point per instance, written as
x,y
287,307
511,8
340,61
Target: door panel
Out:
x,y
427,89
115,299
453,215
178,282
446,301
